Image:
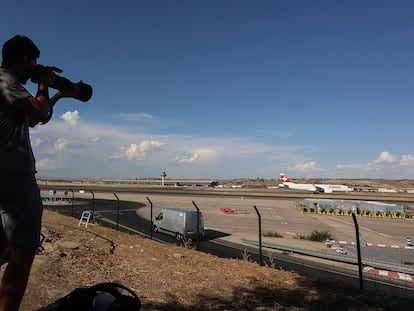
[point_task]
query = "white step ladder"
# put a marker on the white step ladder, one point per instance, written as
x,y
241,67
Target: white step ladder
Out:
x,y
85,218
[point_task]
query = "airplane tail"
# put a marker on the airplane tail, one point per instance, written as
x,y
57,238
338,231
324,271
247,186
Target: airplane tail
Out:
x,y
283,178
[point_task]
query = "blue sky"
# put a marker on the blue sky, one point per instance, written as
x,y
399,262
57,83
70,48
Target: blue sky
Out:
x,y
226,88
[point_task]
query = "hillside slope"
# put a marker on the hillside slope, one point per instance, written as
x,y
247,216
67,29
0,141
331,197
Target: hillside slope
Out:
x,y
175,278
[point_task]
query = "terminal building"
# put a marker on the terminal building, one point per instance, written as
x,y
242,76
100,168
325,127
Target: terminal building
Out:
x,y
348,207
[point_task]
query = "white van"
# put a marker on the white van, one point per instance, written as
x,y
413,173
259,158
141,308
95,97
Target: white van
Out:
x,y
179,222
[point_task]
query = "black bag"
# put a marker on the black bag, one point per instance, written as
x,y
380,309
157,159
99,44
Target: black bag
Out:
x,y
86,299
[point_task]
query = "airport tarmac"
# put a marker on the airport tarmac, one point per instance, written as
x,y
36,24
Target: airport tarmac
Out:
x,y
387,237
277,216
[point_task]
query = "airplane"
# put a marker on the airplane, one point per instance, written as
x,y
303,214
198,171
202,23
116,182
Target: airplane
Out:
x,y
316,188
238,186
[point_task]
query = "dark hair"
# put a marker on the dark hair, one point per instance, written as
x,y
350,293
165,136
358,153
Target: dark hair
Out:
x,y
17,47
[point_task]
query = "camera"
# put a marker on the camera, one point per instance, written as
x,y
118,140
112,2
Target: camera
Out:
x,y
63,84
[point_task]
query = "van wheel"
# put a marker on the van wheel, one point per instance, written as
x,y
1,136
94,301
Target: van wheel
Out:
x,y
155,228
179,236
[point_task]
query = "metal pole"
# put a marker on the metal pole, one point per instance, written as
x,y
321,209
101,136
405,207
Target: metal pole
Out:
x,y
198,225
260,237
117,212
73,198
152,224
361,281
93,205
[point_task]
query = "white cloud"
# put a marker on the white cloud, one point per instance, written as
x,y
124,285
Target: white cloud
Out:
x,y
132,153
386,157
71,117
198,155
188,158
134,116
407,160
350,166
306,167
61,144
36,142
47,164
90,148
148,145
138,151
207,154
386,165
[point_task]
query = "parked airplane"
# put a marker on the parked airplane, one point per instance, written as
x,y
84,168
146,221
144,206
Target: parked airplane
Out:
x,y
316,188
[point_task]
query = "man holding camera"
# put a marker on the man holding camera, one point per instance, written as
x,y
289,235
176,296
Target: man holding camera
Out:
x,y
20,202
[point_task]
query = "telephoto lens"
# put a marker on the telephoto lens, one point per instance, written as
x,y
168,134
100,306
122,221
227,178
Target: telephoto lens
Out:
x,y
63,85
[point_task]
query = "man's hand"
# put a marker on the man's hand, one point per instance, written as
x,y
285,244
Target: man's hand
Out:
x,y
48,76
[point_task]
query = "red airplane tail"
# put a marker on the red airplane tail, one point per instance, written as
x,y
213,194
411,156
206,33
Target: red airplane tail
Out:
x,y
284,178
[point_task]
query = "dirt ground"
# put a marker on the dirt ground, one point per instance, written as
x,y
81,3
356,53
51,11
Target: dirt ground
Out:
x,y
169,277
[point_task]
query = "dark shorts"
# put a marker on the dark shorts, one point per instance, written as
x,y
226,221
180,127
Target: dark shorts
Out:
x,y
21,212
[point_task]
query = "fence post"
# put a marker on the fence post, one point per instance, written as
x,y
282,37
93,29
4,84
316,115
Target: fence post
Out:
x,y
93,205
198,225
358,243
73,198
260,237
117,212
151,228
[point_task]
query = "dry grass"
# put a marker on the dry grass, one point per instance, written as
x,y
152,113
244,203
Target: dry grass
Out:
x,y
175,278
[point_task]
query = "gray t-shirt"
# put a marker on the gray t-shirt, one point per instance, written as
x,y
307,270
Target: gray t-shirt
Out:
x,y
16,155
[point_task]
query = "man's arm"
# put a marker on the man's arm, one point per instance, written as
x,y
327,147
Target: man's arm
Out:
x,y
36,108
39,109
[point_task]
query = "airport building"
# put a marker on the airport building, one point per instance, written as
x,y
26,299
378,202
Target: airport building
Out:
x,y
348,207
